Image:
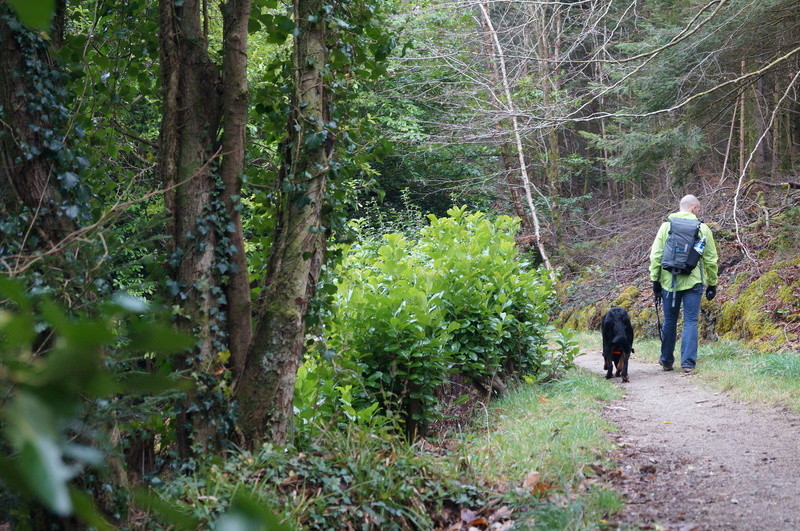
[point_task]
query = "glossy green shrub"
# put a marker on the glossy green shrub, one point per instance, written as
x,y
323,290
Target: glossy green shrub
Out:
x,y
389,319
457,300
497,307
328,393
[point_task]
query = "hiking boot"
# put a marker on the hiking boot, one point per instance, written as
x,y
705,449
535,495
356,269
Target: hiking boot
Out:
x,y
688,371
665,366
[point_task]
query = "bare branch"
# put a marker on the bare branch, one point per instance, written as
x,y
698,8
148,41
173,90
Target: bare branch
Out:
x,y
745,166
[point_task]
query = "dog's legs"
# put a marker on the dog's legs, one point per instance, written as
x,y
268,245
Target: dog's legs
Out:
x,y
607,364
625,367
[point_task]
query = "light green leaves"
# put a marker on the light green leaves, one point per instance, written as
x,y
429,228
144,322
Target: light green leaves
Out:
x,y
30,426
34,13
457,299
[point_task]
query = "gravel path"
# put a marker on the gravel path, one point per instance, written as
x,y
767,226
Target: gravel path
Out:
x,y
691,458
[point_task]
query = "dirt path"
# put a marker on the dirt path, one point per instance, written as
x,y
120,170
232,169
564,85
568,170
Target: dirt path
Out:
x,y
692,459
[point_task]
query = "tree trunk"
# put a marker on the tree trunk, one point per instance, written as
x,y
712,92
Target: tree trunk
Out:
x,y
32,123
202,168
508,162
742,126
547,53
511,109
266,389
235,103
510,168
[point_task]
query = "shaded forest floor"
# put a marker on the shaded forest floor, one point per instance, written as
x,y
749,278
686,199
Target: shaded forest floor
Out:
x,y
690,458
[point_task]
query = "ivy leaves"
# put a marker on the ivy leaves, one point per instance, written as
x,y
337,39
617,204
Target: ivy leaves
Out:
x,y
277,27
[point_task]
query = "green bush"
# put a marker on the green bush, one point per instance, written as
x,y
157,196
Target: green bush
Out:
x,y
458,299
329,395
497,306
389,319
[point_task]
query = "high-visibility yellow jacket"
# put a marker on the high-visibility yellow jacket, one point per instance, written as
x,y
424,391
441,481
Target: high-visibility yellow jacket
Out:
x,y
707,273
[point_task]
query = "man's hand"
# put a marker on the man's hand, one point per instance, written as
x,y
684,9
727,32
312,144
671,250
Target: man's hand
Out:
x,y
711,292
657,288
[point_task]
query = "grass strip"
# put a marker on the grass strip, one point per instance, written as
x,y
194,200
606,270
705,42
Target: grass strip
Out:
x,y
541,445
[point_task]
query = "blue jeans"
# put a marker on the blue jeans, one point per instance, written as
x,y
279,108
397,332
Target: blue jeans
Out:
x,y
691,311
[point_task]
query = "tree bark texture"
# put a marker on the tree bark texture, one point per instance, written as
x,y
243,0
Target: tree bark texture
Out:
x,y
266,389
187,139
201,161
31,130
235,103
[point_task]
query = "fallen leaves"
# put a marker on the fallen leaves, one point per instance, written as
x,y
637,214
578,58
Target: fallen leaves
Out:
x,y
531,479
493,520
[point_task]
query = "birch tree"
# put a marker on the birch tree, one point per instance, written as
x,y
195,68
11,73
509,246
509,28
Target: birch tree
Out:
x,y
508,62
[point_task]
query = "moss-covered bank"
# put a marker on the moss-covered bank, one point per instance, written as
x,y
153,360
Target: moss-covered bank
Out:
x,y
762,310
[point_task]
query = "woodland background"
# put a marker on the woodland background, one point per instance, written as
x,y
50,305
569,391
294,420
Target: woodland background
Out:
x,y
251,232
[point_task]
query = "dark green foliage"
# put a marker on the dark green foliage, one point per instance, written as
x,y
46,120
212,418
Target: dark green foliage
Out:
x,y
46,137
60,385
348,479
35,13
642,152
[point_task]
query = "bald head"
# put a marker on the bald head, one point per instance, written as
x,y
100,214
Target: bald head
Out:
x,y
690,203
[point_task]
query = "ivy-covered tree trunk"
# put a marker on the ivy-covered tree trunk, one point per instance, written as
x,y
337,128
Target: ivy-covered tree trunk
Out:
x,y
267,386
235,104
32,137
201,159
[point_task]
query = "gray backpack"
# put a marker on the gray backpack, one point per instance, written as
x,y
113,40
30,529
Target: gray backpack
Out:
x,y
683,247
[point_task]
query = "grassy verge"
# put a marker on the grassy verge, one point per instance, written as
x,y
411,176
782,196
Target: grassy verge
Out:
x,y
768,378
539,445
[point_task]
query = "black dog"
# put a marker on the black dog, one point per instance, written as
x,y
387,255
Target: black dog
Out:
x,y
617,342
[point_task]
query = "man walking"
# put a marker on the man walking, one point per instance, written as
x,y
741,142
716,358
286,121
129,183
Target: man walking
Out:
x,y
676,282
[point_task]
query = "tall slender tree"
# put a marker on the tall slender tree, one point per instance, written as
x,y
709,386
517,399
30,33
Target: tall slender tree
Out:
x,y
267,385
201,159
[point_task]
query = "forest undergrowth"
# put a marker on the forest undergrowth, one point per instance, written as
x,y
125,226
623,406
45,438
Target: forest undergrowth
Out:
x,y
532,459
